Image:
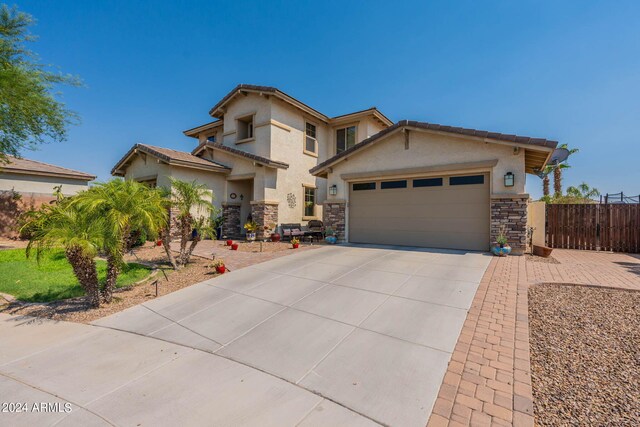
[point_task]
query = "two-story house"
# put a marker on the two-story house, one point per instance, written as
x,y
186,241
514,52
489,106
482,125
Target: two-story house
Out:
x,y
270,157
256,156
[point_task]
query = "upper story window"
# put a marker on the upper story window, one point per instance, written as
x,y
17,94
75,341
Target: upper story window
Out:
x,y
310,139
211,138
244,128
345,138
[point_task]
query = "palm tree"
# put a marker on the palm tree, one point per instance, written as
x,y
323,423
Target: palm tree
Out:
x,y
545,180
557,172
557,179
583,191
188,198
129,208
81,236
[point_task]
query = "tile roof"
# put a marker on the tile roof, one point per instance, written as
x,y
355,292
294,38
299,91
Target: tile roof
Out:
x,y
259,159
170,156
271,90
26,166
540,142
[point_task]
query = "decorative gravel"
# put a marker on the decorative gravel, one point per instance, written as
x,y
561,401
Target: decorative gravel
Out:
x,y
548,260
585,355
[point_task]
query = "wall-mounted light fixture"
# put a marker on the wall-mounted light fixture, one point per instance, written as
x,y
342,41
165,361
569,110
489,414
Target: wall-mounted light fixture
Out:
x,y
242,197
333,190
509,179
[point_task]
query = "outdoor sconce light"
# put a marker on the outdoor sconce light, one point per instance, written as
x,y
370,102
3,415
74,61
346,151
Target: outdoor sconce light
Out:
x,y
242,197
333,190
509,179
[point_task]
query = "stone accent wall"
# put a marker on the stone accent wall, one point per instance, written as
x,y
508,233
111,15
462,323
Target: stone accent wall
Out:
x,y
334,216
510,212
231,223
264,213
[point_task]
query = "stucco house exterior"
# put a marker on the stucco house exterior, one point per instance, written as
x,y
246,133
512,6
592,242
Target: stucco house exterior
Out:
x,y
269,156
28,183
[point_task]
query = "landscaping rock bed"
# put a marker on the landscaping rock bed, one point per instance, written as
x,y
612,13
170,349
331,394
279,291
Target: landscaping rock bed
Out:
x,y
585,355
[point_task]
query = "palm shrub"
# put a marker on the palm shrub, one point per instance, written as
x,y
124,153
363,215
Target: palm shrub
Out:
x,y
82,236
192,204
128,209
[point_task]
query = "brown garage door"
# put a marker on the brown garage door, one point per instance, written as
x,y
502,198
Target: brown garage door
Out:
x,y
440,212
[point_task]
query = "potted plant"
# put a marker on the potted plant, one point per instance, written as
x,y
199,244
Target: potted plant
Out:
x,y
251,227
275,236
229,242
295,243
501,246
234,246
218,264
330,237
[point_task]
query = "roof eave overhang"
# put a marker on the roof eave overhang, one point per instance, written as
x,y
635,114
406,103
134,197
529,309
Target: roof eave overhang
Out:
x,y
275,165
5,169
120,168
218,111
371,112
194,132
531,148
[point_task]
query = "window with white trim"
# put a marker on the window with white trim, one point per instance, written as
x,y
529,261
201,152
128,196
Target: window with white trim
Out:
x,y
310,139
345,138
309,201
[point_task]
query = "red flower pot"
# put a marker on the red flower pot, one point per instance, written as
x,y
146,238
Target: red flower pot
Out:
x,y
275,237
234,247
159,243
221,269
295,245
229,242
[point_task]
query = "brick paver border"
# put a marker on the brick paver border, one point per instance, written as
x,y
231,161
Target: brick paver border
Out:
x,y
488,381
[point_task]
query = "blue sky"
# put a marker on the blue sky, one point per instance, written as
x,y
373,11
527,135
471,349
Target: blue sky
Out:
x,y
565,70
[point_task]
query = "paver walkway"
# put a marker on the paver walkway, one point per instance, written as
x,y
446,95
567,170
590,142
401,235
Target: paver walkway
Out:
x,y
488,381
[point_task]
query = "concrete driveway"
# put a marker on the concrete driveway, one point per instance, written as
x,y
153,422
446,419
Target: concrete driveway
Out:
x,y
346,335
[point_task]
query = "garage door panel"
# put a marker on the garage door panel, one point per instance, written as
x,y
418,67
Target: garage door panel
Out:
x,y
386,211
442,217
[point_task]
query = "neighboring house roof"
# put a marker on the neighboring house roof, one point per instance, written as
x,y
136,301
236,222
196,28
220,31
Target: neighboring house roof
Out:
x,y
33,167
196,130
535,161
169,156
253,157
373,111
216,111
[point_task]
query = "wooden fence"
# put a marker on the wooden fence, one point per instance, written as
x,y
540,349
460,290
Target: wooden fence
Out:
x,y
594,227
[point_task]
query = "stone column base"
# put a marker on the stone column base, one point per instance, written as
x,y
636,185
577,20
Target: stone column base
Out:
x,y
231,222
510,212
334,216
264,213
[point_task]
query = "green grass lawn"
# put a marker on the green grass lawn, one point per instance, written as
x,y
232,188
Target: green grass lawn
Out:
x,y
51,279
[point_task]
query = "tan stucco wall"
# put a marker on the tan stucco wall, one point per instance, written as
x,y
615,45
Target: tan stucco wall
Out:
x,y
243,106
215,182
428,149
22,183
288,146
536,218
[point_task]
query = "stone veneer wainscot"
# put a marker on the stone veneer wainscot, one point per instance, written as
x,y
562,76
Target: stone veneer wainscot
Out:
x,y
334,216
264,214
231,223
510,211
